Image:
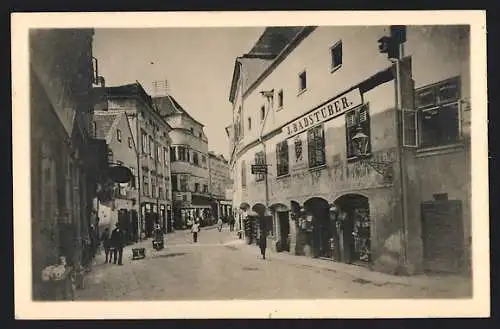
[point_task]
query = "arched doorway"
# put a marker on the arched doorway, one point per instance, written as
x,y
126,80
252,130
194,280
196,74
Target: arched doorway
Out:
x,y
318,225
353,215
281,216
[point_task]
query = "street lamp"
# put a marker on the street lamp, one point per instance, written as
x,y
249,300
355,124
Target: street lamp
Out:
x,y
360,141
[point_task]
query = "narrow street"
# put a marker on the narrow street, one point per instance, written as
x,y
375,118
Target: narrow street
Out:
x,y
220,266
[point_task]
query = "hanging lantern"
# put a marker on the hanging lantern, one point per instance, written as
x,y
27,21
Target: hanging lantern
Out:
x,y
360,141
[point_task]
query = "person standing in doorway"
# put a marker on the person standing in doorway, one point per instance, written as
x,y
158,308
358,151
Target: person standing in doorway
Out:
x,y
118,242
195,229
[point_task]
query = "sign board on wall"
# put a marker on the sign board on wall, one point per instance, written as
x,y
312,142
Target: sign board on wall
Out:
x,y
297,147
330,110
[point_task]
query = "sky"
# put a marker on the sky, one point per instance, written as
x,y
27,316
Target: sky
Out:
x,y
198,64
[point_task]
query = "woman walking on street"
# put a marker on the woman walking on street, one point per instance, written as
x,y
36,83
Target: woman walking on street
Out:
x,y
195,229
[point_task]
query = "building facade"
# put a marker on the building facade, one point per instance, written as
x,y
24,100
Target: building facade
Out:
x,y
219,182
351,177
114,128
189,159
150,135
65,161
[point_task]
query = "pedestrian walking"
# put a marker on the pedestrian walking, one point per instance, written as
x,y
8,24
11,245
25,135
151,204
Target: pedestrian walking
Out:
x,y
195,229
106,243
118,242
219,224
232,221
263,244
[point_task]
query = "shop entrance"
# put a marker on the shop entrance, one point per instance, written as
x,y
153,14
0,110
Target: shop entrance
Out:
x,y
284,230
355,235
321,232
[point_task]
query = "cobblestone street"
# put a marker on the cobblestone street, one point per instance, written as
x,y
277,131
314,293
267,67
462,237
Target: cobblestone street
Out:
x,y
220,266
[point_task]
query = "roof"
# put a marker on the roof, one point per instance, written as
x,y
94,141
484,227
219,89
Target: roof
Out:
x,y
168,105
274,39
252,65
135,89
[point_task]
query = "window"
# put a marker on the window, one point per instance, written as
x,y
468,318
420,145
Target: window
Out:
x,y
165,156
249,123
302,81
205,188
151,146
204,161
336,54
145,184
174,183
158,152
259,159
130,142
172,154
160,193
119,135
153,186
95,129
282,158
192,131
262,112
200,135
133,182
182,153
439,113
167,196
316,146
196,187
183,183
144,138
280,99
357,120
243,175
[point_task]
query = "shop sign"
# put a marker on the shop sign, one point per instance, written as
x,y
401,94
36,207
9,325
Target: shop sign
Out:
x,y
330,110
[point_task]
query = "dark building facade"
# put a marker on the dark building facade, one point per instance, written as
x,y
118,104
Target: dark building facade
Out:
x,y
65,160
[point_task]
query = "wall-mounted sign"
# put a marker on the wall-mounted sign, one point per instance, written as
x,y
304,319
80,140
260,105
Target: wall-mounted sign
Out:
x,y
330,110
259,169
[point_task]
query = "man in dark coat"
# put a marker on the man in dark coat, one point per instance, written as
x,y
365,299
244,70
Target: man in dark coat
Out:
x,y
263,244
118,242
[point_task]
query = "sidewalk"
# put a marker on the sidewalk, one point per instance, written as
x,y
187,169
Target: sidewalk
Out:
x,y
460,284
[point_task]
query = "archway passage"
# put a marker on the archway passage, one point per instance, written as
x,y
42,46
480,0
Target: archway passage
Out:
x,y
281,215
354,214
320,227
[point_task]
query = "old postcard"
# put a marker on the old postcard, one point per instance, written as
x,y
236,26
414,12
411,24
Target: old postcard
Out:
x,y
250,165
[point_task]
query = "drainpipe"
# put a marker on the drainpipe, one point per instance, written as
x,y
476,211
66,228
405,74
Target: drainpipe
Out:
x,y
400,154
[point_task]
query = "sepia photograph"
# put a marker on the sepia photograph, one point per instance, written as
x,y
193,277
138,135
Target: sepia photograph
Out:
x,y
254,159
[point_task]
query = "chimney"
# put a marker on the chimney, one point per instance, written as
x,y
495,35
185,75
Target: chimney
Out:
x,y
160,88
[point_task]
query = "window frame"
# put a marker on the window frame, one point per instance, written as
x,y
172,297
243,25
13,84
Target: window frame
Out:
x,y
119,135
437,103
144,139
312,147
262,113
301,80
333,66
249,121
280,99
130,143
282,149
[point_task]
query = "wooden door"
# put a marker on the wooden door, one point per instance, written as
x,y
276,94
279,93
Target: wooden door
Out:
x,y
442,235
